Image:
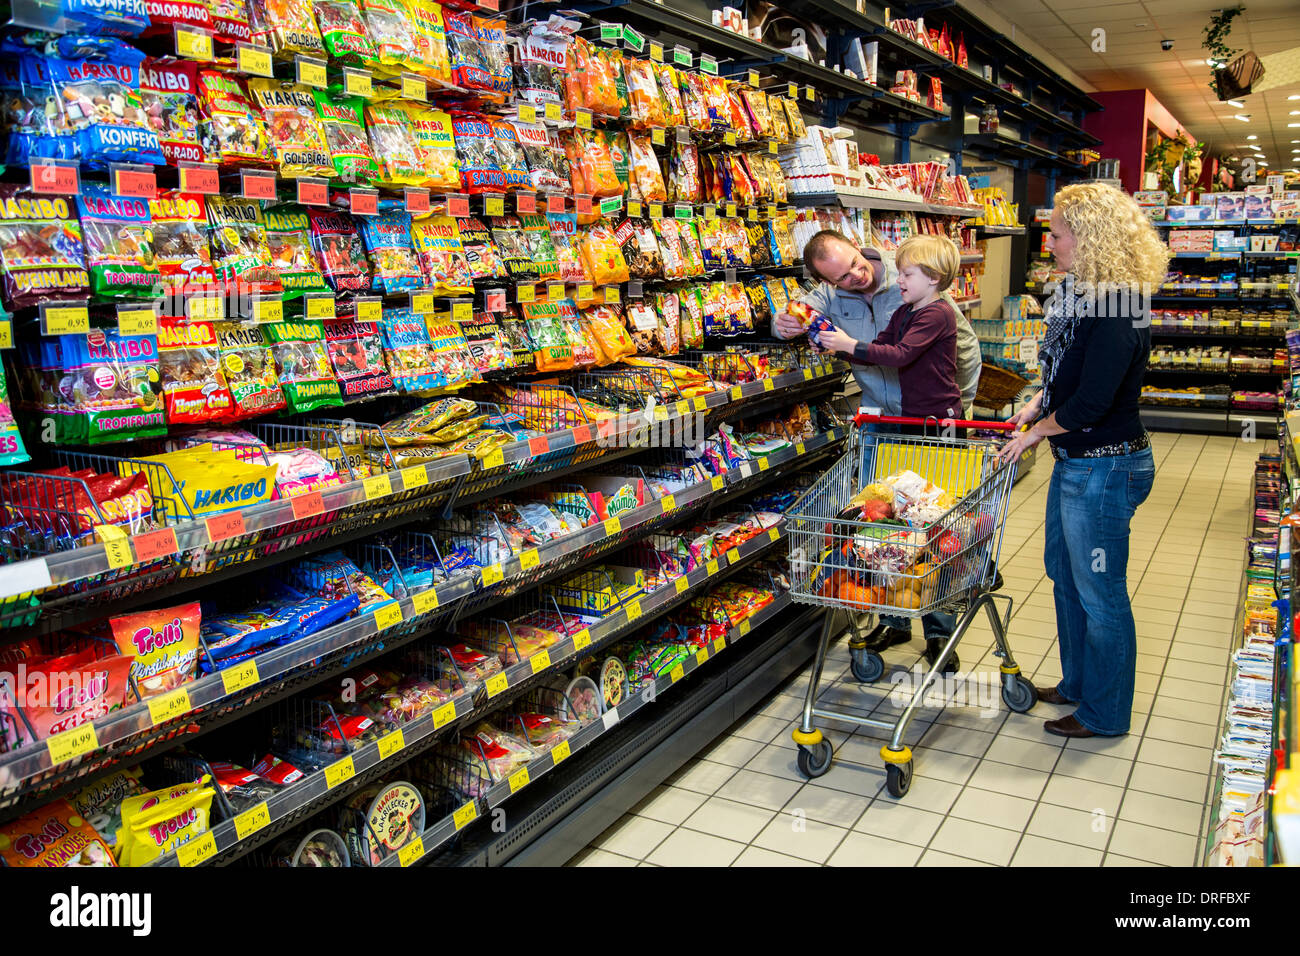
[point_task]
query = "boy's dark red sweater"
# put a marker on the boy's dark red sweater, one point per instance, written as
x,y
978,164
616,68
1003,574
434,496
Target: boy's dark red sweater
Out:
x,y
922,345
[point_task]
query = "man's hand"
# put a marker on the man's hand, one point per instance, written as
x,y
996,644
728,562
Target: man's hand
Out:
x,y
787,326
836,340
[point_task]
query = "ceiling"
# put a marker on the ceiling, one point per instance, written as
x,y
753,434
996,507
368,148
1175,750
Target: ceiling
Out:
x,y
1179,78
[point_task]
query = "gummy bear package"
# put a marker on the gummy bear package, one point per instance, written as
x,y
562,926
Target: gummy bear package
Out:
x,y
116,232
240,252
541,61
289,112
452,363
302,364
442,256
356,352
288,27
41,251
344,31
169,97
537,233
564,239
469,61
542,157
510,156
51,836
604,258
491,35
435,145
339,250
551,348
388,22
388,244
431,40
480,172
229,124
112,385
193,383
489,346
230,21
513,248
408,350
249,369
345,136
96,93
392,141
11,442
287,235
480,250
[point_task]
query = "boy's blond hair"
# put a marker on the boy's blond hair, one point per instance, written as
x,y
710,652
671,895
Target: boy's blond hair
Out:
x,y
936,256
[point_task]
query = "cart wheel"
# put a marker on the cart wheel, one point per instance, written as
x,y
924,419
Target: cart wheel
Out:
x,y
815,761
1019,694
898,778
867,666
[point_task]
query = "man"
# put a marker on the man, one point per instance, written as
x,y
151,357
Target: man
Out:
x,y
859,293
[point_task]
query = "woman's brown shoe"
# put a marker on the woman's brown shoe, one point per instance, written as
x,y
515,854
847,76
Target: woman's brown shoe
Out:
x,y
1050,695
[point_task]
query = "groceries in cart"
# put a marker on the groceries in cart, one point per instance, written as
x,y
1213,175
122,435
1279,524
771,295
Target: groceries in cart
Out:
x,y
905,497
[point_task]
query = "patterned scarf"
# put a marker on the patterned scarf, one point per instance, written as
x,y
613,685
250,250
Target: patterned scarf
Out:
x,y
1063,316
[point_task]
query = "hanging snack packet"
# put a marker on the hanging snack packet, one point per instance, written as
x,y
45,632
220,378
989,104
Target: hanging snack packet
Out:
x,y
604,258
670,96
540,64
480,250
288,236
240,253
760,244
551,349
249,369
695,101
491,34
229,125
388,22
163,646
344,31
96,98
513,248
339,251
595,79
441,255
585,351
643,325
540,156
739,119
784,241
111,387
129,18
643,89
712,246
469,61
537,233
286,26
388,244
289,112
230,21
668,307
489,346
510,155
798,130
302,364
606,325
614,58
11,442
356,353
596,164
758,305
431,40
480,171
392,141
690,247
640,250
116,231
645,170
564,238
408,351
691,310
55,835
452,363
670,247
620,157
436,146
194,387
345,136
41,252
169,97
780,122
684,184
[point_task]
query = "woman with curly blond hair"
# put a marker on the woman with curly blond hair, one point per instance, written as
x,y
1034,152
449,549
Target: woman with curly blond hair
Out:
x,y
1093,356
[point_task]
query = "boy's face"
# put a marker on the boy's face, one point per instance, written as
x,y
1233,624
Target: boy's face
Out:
x,y
914,285
844,267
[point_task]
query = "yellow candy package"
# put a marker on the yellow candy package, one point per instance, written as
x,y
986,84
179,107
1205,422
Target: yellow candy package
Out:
x,y
218,482
601,252
392,139
435,146
289,111
605,323
431,40
286,26
391,30
442,255
158,822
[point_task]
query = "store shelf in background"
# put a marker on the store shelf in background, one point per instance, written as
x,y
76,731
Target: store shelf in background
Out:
x,y
891,203
1219,421
1000,230
1206,223
973,257
968,303
1272,255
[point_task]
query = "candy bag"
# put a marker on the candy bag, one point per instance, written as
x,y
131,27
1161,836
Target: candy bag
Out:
x,y
287,235
540,65
111,387
53,835
514,249
585,351
797,128
480,250
249,369
41,252
596,165
289,111
286,26
491,35
392,140
604,259
452,363
169,97
302,365
408,350
436,147
344,31
356,352
551,348
469,61
388,244
442,257
645,170
510,155
128,18
564,238
643,325
542,158
670,97
163,646
480,172
389,24
537,233
117,236
684,183
180,239
230,127
11,442
489,347
241,255
606,325
691,313
160,821
339,251
345,136
431,40
695,101
194,386
230,21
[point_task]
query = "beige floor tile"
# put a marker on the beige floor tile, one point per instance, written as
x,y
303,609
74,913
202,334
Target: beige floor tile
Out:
x,y
828,806
1038,851
865,849
1089,796
1219,637
926,793
783,708
1156,845
759,789
596,857
761,728
1122,748
1082,828
633,837
897,820
757,856
1215,674
1182,731
729,819
1150,663
690,848
669,804
1006,778
702,776
955,768
1201,712
733,751
778,761
960,740
1166,813
1166,753
996,809
1193,690
1184,651
1115,860
800,837
1098,767
979,841
1025,753
1168,782
852,778
935,858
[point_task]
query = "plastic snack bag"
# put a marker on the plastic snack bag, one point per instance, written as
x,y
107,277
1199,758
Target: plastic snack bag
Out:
x,y
169,99
670,96
240,253
388,244
53,835
11,442
695,101
41,252
540,65
564,238
645,169
712,245
230,21
480,250
302,365
613,58
480,171
668,307
286,26
388,22
105,18
287,235
620,157
514,249
163,646
491,35
537,233
117,231
435,144
180,240
470,67
392,141
541,157
408,350
112,386
691,313
194,386
647,107
684,183
230,127
431,40
595,79
489,347
345,136
691,253
339,250
606,324
343,29
551,349
585,351
670,247
640,250
442,256
356,353
249,369
601,252
597,165
289,112
452,362
510,156
643,325
160,821
797,128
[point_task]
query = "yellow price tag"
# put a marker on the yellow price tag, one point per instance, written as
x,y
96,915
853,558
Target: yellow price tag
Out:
x,y
582,118
495,459
771,148
676,674
466,815
560,752
792,90
253,60
207,309
717,482
444,715
774,534
529,559
702,655
414,87
683,408
497,684
582,639
202,848
494,205
712,566
657,137
311,73
422,602
268,310
340,771
169,706
390,744
553,112
700,403
377,486
72,743
414,477
800,448
519,779
729,139
462,311
240,676
320,307
634,610
390,615
767,385
611,295
118,551
762,464
733,555
358,84
656,210
669,503
250,821
613,526
193,44
6,334
681,584
719,645
744,627
137,322
422,302
540,661
71,320
731,209
736,393
413,852
493,574
527,113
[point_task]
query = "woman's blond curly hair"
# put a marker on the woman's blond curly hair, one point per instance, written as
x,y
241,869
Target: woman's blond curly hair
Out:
x,y
1114,243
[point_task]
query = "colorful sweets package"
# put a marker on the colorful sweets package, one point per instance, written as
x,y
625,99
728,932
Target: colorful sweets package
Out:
x,y
240,252
287,236
41,253
339,250
117,235
302,364
289,112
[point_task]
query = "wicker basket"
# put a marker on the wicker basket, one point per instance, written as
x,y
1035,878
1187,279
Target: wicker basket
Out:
x,y
998,386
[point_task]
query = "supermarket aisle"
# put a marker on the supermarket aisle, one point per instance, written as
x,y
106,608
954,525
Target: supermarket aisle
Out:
x,y
993,788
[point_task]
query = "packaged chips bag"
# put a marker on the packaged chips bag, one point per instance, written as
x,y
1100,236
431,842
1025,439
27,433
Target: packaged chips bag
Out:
x,y
691,247
345,136
592,158
41,251
169,97
604,258
442,256
606,325
288,236
302,364
249,369
388,244
339,250
357,354
643,89
240,253
640,250
117,234
392,140
229,125
480,171
344,31
286,26
289,112
435,145
193,383
670,97
648,176
670,248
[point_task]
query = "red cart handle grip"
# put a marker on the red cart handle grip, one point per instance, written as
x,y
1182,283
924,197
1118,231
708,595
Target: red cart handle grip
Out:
x,y
862,418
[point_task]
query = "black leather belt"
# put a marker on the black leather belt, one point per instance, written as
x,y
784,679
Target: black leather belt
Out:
x,y
1103,451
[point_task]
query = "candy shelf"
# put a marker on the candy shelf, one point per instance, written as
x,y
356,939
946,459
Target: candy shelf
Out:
x,y
878,201
1000,230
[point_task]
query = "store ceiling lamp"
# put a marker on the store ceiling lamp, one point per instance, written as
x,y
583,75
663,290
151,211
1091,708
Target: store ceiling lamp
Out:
x,y
1244,117
1253,136
1237,103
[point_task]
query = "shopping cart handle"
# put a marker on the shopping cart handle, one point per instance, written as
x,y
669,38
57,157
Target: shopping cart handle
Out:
x,y
862,418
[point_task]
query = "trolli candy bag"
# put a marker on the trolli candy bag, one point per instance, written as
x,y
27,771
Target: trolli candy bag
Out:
x,y
289,111
345,136
287,229
169,96
339,250
116,231
240,253
41,254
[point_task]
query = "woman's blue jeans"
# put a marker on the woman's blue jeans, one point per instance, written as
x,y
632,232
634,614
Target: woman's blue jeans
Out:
x,y
1089,504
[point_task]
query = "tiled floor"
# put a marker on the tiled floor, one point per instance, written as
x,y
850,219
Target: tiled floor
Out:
x,y
990,787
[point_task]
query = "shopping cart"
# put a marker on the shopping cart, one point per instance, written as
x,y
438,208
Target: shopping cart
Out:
x,y
945,559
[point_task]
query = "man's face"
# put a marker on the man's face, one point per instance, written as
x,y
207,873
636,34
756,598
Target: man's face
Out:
x,y
845,268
